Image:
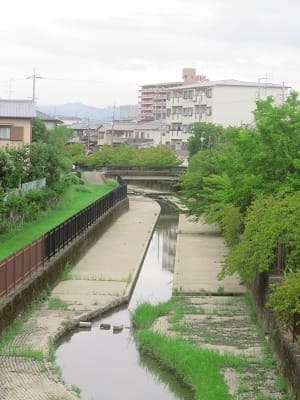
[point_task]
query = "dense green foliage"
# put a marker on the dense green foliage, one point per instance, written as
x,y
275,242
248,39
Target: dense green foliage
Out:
x,y
205,136
44,158
267,219
75,198
285,298
248,181
126,155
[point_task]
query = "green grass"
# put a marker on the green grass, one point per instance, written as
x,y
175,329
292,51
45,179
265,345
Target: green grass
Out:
x,y
25,351
145,314
196,367
12,332
66,273
76,389
55,303
77,198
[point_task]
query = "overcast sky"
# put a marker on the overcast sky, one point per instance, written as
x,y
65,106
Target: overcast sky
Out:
x,y
99,52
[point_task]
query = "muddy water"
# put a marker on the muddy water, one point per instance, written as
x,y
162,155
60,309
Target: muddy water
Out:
x,y
108,366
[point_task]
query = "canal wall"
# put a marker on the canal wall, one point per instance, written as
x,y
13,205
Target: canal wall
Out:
x,y
285,350
33,289
102,279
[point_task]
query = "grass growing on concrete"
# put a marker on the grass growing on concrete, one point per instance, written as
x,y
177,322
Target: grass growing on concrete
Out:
x,y
66,273
55,303
145,314
198,368
75,200
25,351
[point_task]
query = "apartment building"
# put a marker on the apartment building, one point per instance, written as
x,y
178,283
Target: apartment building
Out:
x,y
224,102
152,97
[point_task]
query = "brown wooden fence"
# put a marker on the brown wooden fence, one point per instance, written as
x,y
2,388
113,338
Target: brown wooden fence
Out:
x,y
20,265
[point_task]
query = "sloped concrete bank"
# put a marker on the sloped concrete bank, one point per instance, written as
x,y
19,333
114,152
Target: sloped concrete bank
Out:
x,y
200,251
286,351
19,300
103,278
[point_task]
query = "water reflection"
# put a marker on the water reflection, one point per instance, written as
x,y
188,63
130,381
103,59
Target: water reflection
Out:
x,y
108,366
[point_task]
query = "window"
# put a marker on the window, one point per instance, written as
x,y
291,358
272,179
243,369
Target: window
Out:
x,y
208,111
5,132
209,92
188,94
168,95
168,112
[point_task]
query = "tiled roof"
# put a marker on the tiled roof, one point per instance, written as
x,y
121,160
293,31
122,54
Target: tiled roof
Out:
x,y
17,108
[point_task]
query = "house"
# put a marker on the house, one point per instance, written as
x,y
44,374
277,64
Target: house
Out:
x,y
15,122
224,102
142,134
49,121
86,133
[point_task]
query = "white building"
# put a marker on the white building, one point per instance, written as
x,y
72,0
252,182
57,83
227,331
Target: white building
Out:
x,y
224,102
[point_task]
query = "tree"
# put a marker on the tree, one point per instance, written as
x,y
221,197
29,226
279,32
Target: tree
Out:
x,y
204,136
39,130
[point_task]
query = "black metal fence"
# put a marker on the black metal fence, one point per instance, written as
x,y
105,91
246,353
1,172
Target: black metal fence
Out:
x,y
60,236
16,268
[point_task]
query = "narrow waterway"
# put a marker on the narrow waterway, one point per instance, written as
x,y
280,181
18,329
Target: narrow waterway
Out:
x,y
109,366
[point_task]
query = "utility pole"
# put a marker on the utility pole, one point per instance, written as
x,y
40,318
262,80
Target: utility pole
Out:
x,y
283,92
113,125
34,77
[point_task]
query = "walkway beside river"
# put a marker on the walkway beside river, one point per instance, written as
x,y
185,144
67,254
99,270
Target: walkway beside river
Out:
x,y
101,280
200,251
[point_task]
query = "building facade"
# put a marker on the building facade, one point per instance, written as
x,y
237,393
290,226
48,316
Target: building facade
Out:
x,y
15,122
153,97
142,134
224,102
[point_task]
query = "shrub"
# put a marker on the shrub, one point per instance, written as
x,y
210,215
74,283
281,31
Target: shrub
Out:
x,y
72,179
284,298
232,225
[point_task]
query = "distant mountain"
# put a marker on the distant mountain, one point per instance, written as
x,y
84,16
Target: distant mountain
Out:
x,y
84,111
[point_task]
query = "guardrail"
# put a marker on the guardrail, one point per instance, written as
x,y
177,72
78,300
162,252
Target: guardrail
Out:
x,y
20,265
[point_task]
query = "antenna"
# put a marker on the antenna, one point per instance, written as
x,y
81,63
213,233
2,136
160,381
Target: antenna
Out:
x,y
263,79
34,77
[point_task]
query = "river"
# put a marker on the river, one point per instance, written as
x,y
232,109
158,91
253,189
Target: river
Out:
x,y
109,366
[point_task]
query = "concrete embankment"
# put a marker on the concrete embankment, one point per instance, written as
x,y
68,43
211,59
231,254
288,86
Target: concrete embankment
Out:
x,y
101,280
200,252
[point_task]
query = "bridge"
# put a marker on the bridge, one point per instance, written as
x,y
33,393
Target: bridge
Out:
x,y
158,176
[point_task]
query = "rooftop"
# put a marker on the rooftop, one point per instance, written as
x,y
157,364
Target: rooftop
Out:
x,y
17,108
228,82
46,117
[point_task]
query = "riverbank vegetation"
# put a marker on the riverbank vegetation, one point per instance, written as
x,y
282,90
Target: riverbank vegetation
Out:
x,y
190,340
247,180
37,190
126,155
75,198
